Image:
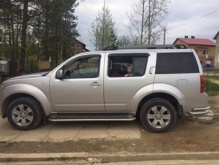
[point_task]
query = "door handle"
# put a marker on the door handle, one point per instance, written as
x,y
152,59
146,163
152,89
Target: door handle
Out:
x,y
95,84
151,70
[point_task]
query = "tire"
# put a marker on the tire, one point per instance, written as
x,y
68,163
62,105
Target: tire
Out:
x,y
158,115
24,113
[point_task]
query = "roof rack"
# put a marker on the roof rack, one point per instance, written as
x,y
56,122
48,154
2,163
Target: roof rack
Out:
x,y
146,47
180,46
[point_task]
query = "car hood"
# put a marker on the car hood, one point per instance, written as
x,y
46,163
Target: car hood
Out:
x,y
27,79
29,76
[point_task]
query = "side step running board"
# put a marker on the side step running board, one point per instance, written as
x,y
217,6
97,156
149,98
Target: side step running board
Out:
x,y
56,117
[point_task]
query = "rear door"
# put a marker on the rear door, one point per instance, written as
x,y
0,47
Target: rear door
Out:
x,y
119,89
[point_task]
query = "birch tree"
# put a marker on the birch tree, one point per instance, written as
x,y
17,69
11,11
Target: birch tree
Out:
x,y
145,21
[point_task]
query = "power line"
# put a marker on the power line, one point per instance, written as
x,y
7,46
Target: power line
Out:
x,y
195,19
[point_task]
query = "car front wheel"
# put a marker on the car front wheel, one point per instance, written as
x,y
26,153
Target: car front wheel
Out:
x,y
24,113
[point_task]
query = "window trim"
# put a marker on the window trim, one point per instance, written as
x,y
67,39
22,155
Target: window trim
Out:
x,y
207,52
82,57
174,70
131,54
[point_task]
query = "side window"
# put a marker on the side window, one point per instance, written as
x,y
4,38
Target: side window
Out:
x,y
127,65
86,67
205,52
173,63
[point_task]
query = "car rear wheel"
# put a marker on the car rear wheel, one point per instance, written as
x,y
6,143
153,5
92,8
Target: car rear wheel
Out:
x,y
24,113
158,115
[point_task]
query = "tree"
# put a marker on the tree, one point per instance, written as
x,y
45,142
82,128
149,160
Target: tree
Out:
x,y
124,40
55,29
36,29
145,21
103,33
22,60
10,25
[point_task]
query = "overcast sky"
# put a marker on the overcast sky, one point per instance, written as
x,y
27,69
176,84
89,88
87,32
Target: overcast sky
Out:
x,y
199,18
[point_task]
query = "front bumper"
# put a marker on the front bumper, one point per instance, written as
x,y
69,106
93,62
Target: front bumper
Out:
x,y
2,98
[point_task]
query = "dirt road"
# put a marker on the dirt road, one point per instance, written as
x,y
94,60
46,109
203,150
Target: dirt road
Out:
x,y
113,137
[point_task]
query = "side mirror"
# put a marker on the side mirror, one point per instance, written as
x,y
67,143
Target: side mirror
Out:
x,y
59,74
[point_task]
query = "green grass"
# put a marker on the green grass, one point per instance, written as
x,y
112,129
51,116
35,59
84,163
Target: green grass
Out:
x,y
211,88
215,77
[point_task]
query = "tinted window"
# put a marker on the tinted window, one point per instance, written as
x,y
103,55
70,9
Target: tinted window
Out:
x,y
173,63
128,65
83,68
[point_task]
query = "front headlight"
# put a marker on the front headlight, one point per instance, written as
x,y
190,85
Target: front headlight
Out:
x,y
1,87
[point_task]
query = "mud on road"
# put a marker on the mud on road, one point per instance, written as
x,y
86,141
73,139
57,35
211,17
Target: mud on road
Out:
x,y
186,136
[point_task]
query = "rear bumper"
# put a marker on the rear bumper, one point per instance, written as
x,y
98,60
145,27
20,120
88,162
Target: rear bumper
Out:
x,y
199,111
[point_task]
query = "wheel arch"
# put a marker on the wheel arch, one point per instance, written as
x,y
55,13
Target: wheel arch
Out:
x,y
15,96
165,96
26,90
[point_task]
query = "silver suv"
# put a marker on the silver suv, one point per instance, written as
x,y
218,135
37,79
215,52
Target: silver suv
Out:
x,y
160,85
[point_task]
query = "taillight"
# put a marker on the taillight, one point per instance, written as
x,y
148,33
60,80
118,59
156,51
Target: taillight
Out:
x,y
202,80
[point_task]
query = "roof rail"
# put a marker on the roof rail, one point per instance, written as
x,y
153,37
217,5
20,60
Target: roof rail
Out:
x,y
146,47
180,46
111,48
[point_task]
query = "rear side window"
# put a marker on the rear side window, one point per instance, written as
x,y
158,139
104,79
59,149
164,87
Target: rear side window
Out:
x,y
173,63
127,65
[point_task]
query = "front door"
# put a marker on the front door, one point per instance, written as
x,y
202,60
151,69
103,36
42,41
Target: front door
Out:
x,y
81,89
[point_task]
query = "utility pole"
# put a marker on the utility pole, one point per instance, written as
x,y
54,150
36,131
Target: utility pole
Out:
x,y
164,36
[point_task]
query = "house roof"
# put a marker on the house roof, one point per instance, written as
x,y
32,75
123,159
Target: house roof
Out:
x,y
196,41
215,37
84,46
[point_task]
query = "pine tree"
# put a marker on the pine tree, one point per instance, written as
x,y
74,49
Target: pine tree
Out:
x,y
45,29
123,41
